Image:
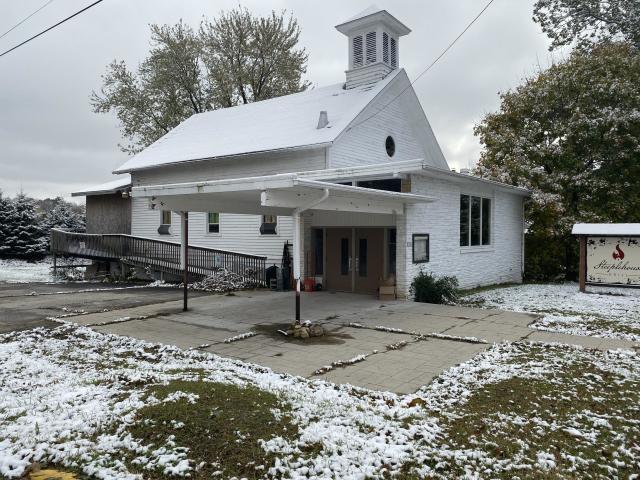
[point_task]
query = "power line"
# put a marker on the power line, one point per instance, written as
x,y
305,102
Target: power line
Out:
x,y
25,19
51,28
455,40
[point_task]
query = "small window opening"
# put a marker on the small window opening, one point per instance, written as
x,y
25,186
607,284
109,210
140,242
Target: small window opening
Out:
x,y
165,222
269,225
390,146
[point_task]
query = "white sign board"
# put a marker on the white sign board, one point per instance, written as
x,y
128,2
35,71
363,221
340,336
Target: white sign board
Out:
x,y
613,260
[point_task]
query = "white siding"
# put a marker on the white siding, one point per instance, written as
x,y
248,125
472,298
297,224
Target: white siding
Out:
x,y
403,119
500,262
238,233
236,167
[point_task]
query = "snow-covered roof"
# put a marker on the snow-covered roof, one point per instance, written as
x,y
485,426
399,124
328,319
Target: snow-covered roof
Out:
x,y
277,124
370,15
606,229
113,186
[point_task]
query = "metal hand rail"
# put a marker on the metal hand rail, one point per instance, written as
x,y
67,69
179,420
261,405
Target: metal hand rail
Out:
x,y
161,254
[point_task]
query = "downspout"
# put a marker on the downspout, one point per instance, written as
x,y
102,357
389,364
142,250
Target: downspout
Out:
x,y
297,244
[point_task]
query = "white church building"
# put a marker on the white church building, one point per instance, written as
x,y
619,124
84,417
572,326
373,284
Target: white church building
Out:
x,y
351,175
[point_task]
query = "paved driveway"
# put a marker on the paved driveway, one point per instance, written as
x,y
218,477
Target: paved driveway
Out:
x,y
404,344
29,305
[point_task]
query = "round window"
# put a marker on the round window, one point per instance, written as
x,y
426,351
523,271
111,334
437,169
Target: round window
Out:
x,y
390,145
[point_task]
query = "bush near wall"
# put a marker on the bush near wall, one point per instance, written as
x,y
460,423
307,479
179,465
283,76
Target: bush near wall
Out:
x,y
427,288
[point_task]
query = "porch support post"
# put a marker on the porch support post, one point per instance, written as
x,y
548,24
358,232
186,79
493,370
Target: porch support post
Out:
x,y
297,238
184,255
298,249
582,268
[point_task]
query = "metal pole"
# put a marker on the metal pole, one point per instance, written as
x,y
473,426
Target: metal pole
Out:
x,y
185,257
296,260
582,266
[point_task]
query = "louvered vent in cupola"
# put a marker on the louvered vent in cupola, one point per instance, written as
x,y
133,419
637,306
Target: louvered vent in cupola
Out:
x,y
394,53
357,51
385,47
371,47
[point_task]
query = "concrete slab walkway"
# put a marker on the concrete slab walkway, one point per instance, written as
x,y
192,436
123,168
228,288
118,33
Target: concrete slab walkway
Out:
x,y
406,344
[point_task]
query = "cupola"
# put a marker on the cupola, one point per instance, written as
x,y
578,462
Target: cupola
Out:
x,y
374,49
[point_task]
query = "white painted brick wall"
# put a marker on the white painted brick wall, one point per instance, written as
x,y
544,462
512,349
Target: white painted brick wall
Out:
x,y
473,266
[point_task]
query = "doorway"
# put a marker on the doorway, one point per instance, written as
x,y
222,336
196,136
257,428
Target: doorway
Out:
x,y
354,259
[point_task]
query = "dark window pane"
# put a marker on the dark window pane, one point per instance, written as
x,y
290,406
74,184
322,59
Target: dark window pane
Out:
x,y
344,256
486,221
389,185
166,217
362,257
318,240
214,228
391,256
464,220
475,220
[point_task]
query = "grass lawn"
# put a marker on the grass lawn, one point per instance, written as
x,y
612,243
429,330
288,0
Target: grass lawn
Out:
x,y
113,407
601,312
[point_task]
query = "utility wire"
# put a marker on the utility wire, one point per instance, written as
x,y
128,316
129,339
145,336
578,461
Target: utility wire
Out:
x,y
50,28
25,19
455,40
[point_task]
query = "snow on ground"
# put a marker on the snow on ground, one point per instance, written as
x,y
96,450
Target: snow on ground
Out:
x,y
68,394
20,271
601,312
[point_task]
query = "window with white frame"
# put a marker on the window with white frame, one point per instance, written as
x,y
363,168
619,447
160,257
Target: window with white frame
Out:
x,y
165,217
165,222
213,222
475,221
269,225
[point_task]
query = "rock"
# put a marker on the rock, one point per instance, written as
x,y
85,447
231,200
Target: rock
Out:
x,y
304,332
316,330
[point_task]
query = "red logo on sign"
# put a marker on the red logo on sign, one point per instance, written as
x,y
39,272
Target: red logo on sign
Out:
x,y
618,254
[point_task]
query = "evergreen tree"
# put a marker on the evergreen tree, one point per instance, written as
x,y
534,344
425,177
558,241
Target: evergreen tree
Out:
x,y
63,216
7,215
25,238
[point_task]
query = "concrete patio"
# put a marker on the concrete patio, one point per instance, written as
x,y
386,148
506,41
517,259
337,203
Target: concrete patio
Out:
x,y
356,325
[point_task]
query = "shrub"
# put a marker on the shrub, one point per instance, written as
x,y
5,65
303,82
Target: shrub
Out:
x,y
428,289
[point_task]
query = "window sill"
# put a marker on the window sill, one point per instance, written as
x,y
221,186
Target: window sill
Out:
x,y
477,249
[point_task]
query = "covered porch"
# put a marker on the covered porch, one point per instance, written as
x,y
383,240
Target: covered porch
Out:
x,y
344,236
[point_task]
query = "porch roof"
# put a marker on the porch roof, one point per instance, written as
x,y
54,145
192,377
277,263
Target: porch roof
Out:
x,y
275,195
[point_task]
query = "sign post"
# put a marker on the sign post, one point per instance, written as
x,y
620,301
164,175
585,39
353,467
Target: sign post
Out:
x,y
582,269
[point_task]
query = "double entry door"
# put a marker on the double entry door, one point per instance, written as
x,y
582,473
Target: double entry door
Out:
x,y
354,259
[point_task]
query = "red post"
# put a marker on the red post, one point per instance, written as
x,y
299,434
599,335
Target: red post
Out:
x,y
582,269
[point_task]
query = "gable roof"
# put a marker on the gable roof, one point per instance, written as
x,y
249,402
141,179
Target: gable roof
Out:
x,y
279,123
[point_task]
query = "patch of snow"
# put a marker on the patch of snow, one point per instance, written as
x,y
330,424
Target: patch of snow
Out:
x,y
602,312
241,336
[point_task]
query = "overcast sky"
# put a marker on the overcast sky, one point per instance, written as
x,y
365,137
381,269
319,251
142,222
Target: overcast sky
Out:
x,y
51,143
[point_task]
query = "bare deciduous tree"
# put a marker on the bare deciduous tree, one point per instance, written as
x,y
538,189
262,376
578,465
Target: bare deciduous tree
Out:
x,y
236,58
